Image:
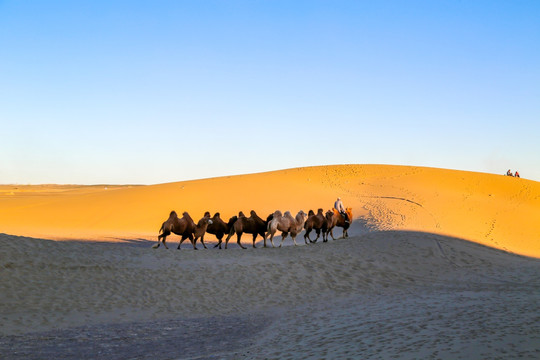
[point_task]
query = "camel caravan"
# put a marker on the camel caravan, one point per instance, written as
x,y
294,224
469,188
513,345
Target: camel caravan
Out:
x,y
321,223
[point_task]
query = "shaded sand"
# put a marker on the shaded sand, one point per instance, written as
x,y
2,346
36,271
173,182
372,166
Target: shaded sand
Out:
x,y
378,295
495,210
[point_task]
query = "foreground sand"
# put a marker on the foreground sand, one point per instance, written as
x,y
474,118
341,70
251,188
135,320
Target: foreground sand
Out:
x,y
435,268
380,295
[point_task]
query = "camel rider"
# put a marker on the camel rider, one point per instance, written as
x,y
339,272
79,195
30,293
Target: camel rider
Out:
x,y
338,205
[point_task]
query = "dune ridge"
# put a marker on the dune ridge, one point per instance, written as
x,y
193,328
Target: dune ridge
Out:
x,y
494,210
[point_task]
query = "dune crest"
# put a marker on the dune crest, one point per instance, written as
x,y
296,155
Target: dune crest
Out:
x,y
494,210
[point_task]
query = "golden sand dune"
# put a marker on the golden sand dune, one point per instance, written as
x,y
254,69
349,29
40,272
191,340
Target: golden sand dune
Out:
x,y
495,210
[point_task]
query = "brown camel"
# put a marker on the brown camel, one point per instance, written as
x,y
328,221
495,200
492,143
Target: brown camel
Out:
x,y
219,228
201,228
330,223
251,225
340,221
183,227
285,223
315,222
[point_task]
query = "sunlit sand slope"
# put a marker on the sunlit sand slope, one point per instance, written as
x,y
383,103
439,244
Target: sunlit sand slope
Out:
x,y
494,210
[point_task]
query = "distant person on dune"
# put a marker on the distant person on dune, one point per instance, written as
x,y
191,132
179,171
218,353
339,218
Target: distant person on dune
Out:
x,y
338,205
517,174
509,173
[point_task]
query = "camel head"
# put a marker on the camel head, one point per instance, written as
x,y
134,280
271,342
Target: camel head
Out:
x,y
302,216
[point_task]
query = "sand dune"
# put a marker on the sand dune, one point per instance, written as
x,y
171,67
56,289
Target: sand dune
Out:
x,y
498,211
434,268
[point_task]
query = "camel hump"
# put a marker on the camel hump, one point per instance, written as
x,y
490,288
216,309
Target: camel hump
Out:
x,y
216,215
319,211
173,214
207,214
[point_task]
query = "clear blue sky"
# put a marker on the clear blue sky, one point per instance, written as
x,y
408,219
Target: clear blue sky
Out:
x,y
133,92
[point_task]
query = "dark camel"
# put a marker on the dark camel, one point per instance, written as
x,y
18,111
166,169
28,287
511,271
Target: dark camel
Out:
x,y
251,225
219,228
315,222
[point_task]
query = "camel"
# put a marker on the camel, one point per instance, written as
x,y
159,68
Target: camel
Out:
x,y
286,224
200,229
219,227
183,227
340,221
328,228
251,225
315,222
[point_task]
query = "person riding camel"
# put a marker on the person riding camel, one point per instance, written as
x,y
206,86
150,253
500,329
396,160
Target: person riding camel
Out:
x,y
338,205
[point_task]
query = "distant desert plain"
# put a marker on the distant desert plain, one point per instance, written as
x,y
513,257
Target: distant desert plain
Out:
x,y
439,264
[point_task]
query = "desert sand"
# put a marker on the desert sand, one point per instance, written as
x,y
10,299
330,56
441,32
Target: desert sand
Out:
x,y
440,264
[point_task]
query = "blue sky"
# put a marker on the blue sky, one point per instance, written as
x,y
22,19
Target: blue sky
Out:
x,y
133,92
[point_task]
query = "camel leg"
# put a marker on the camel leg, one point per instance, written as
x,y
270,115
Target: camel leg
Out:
x,y
158,243
193,241
219,237
227,239
181,241
271,233
294,239
318,231
202,241
306,236
162,238
332,234
283,236
238,237
254,237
